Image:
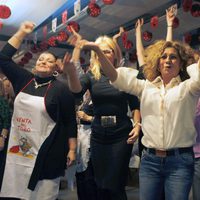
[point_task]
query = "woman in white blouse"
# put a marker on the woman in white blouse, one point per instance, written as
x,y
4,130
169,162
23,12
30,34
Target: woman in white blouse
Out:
x,y
168,101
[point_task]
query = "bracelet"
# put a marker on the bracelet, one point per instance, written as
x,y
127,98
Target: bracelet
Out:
x,y
170,26
137,123
17,37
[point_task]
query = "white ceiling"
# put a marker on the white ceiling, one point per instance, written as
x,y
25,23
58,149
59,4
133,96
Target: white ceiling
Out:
x,y
120,13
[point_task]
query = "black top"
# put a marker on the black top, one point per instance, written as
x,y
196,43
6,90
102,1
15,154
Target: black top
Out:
x,y
60,105
107,101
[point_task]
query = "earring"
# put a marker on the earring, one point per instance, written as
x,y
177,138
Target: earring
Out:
x,y
55,73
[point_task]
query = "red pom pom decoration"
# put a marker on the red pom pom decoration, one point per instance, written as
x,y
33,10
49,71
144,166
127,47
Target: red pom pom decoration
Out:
x,y
154,22
93,9
128,45
52,41
5,12
187,5
62,36
175,22
108,2
75,26
195,10
147,36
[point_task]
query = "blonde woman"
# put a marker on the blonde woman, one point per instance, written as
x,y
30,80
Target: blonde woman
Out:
x,y
112,131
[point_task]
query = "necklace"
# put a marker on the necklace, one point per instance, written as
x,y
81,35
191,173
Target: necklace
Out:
x,y
42,84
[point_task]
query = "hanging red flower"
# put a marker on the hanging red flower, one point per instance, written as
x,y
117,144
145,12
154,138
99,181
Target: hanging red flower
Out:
x,y
154,22
175,22
147,36
195,10
5,12
75,26
52,41
62,36
93,9
34,49
187,5
128,45
28,55
108,2
188,38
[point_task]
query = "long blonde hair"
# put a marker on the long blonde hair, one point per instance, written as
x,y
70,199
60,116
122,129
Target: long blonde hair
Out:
x,y
154,52
95,65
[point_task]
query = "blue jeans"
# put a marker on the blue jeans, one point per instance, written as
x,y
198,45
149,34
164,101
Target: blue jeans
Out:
x,y
174,173
196,180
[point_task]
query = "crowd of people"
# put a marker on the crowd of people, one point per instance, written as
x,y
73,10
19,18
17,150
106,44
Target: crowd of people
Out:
x,y
48,132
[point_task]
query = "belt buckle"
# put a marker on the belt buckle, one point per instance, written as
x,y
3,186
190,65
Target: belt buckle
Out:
x,y
108,121
160,153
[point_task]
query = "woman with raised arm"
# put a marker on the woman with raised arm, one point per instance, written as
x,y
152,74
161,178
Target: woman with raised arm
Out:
x,y
43,128
168,101
112,132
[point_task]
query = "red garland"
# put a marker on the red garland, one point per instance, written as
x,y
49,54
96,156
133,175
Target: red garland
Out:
x,y
5,12
108,2
93,9
147,36
187,5
52,41
62,36
175,22
154,22
195,10
75,26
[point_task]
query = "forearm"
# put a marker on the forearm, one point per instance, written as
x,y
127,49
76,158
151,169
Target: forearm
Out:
x,y
140,48
137,117
17,39
169,36
74,82
72,142
106,65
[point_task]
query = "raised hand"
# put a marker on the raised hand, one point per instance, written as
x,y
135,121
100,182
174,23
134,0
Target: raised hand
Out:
x,y
121,31
27,27
139,24
170,15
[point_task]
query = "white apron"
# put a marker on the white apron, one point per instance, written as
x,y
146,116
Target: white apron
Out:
x,y
30,126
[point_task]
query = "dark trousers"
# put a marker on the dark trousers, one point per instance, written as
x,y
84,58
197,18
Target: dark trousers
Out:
x,y
86,186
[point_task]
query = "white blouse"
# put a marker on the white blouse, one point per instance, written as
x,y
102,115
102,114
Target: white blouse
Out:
x,y
167,112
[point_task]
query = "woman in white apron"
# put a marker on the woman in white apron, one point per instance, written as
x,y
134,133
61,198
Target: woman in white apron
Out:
x,y
43,126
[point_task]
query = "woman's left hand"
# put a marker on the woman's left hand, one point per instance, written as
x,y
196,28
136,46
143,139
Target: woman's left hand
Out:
x,y
133,135
71,158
